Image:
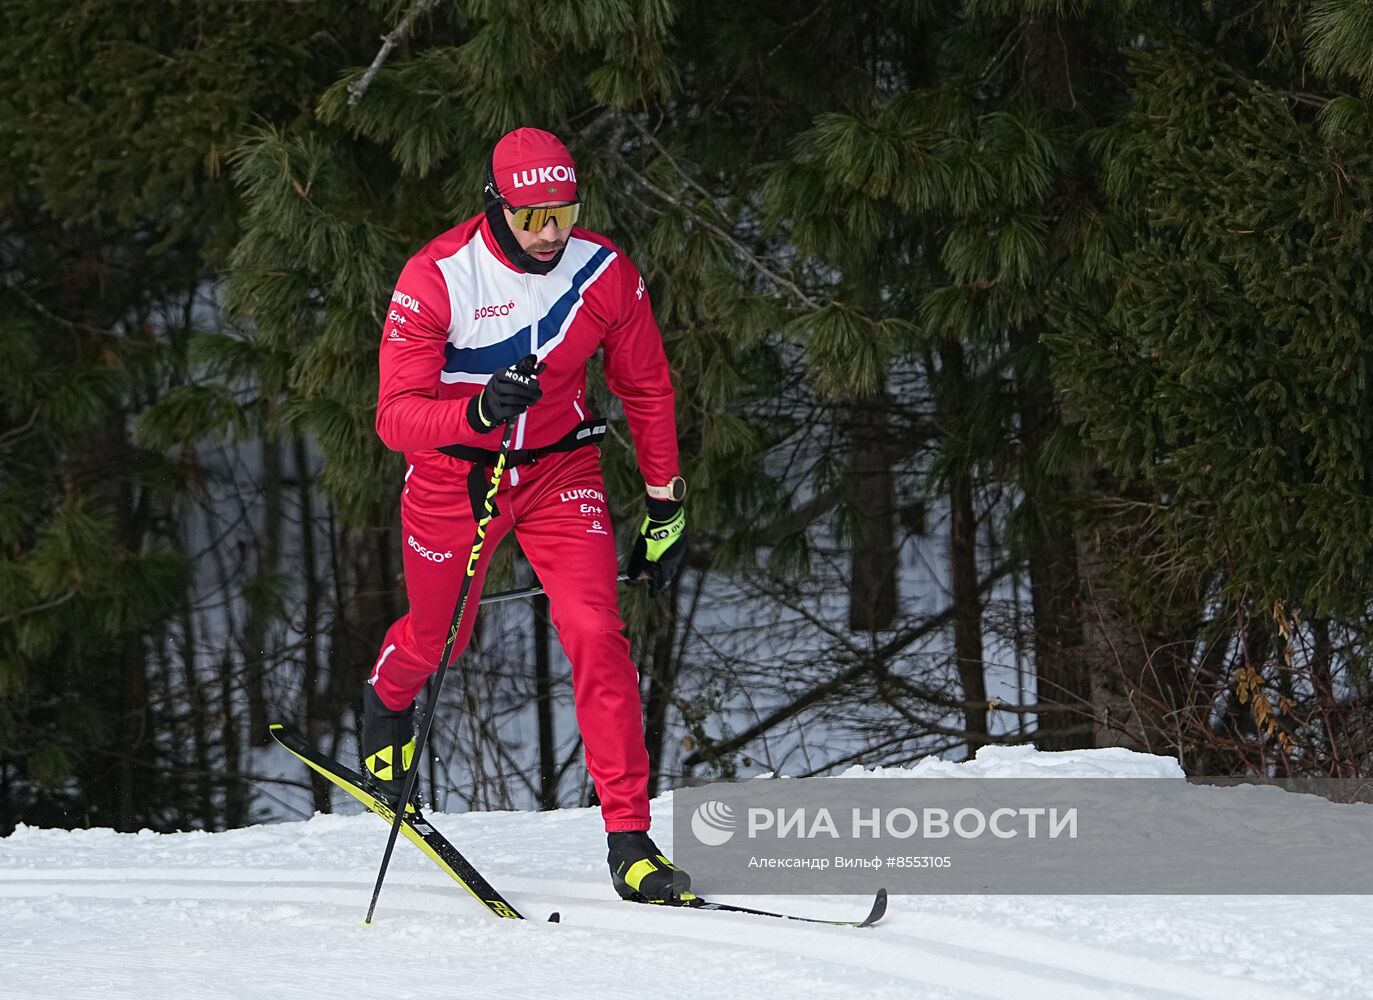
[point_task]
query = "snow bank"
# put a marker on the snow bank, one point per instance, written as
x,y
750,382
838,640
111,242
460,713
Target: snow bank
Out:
x,y
274,913
1028,762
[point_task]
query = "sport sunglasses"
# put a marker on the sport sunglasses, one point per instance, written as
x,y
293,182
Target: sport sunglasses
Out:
x,y
531,220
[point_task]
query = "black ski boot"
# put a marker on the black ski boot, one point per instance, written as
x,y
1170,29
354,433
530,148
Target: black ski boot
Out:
x,y
640,872
387,745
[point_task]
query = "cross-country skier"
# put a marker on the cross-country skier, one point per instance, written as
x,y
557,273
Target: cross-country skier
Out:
x,y
521,279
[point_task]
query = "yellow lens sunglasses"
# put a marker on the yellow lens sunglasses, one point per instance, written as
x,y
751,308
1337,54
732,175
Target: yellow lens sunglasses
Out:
x,y
531,220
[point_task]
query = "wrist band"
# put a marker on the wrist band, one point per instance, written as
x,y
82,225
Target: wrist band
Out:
x,y
674,490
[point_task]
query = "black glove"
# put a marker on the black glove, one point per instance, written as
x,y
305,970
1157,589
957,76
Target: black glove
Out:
x,y
510,392
661,546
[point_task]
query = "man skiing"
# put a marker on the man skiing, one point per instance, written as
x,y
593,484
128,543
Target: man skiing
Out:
x,y
491,323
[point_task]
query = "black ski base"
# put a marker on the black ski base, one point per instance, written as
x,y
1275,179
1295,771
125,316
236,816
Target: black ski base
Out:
x,y
691,902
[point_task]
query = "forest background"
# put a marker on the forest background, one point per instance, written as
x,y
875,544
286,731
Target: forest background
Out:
x,y
1022,351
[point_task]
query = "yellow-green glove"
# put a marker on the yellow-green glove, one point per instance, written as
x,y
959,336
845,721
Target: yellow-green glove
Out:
x,y
661,546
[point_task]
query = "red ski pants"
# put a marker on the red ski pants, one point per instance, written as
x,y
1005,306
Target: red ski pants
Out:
x,y
558,511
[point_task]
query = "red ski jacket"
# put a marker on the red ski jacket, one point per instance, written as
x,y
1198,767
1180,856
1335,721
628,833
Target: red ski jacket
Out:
x,y
462,312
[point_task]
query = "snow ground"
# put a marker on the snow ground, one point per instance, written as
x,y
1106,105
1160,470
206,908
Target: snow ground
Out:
x,y
275,911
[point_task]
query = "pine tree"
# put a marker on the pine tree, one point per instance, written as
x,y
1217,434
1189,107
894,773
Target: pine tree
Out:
x,y
115,214
1222,380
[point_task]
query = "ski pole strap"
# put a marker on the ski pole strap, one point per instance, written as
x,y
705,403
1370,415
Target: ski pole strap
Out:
x,y
587,432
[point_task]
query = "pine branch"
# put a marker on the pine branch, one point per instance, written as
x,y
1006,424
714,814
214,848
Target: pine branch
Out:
x,y
389,42
745,254
1317,101
782,42
10,437
57,601
38,306
662,151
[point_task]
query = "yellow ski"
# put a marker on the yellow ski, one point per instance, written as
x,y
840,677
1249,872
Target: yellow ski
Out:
x,y
415,827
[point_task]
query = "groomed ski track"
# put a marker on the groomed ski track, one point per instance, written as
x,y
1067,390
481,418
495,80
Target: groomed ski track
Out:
x,y
275,911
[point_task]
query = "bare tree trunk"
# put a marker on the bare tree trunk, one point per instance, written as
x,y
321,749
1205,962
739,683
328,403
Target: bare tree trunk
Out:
x,y
135,745
1049,47
873,564
197,713
310,617
952,391
1063,685
254,645
543,701
135,725
235,789
1340,762
967,599
664,662
7,812
1130,703
366,587
1063,688
231,742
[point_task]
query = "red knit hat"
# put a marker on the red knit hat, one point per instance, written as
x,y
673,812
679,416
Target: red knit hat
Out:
x,y
533,167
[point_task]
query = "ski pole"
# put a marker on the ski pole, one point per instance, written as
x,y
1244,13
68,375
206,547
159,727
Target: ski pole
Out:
x,y
458,611
523,592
